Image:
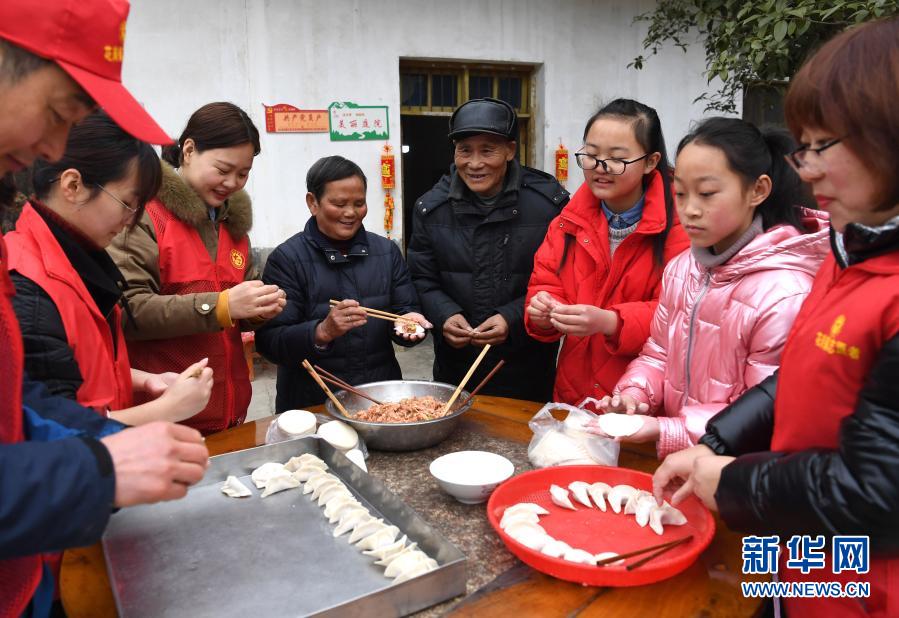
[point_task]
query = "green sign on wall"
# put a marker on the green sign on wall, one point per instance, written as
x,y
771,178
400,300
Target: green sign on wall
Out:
x,y
349,122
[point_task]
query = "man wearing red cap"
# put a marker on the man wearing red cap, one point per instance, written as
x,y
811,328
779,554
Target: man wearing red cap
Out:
x,y
63,468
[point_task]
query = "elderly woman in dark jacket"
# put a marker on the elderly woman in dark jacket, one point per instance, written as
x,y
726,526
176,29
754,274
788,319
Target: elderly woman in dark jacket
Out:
x,y
335,258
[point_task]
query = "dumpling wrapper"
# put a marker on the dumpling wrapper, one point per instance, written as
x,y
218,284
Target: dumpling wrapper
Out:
x,y
381,538
667,515
356,456
339,435
296,423
350,520
363,530
263,473
529,507
388,551
399,329
280,482
295,463
560,497
421,568
579,556
618,495
555,548
598,493
405,561
233,488
335,507
579,491
620,425
530,535
509,518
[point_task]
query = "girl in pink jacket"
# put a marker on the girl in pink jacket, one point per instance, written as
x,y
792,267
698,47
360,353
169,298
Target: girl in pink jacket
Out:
x,y
727,304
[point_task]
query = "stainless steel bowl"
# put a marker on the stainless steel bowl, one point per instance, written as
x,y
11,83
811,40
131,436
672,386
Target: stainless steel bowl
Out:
x,y
399,436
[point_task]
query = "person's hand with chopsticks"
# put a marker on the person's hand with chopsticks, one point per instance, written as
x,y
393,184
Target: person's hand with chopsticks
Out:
x,y
418,319
494,330
342,318
457,331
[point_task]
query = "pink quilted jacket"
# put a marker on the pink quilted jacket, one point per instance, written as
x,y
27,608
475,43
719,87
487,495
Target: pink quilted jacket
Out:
x,y
720,331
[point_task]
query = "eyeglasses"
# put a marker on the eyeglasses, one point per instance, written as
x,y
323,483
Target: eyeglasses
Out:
x,y
799,159
616,167
131,210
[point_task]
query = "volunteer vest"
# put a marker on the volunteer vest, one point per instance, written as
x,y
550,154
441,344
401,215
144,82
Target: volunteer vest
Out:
x,y
845,321
102,356
19,577
185,267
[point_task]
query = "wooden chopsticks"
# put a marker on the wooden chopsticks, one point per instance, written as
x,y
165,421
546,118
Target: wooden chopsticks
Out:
x,y
377,313
333,379
308,366
658,550
483,383
477,361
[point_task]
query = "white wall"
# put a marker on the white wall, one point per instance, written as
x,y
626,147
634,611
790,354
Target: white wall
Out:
x,y
180,55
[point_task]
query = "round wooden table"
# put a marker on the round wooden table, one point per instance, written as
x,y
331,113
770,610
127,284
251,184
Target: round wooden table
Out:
x,y
710,587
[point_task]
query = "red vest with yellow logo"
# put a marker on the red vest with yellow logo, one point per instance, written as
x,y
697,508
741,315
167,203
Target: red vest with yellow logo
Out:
x,y
19,577
186,268
845,321
102,361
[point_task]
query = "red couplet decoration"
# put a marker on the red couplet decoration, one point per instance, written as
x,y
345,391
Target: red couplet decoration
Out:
x,y
388,169
596,531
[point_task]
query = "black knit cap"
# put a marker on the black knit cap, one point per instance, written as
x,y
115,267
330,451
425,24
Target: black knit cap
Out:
x,y
484,116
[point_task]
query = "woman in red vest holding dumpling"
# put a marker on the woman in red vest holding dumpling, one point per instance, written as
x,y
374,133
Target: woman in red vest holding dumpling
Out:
x,y
187,263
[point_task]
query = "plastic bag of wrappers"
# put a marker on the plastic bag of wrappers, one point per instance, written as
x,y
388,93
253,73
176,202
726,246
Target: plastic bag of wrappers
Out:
x,y
566,442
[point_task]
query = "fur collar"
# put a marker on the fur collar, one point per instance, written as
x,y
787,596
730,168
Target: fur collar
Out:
x,y
184,203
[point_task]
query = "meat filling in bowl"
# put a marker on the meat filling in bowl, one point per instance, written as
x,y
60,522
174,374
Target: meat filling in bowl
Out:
x,y
404,411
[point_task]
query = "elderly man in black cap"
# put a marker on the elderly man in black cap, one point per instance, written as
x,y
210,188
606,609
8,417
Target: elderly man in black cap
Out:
x,y
472,251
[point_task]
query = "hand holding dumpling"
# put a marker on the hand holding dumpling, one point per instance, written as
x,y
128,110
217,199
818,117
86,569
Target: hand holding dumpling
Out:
x,y
254,299
420,331
673,476
539,309
189,393
583,320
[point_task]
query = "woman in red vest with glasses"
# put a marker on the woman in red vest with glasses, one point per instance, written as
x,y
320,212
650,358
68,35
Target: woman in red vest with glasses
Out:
x,y
187,263
814,449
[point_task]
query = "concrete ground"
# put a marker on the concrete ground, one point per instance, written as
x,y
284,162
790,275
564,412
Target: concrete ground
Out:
x,y
415,362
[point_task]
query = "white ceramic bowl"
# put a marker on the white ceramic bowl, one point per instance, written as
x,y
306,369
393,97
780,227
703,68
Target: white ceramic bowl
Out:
x,y
470,476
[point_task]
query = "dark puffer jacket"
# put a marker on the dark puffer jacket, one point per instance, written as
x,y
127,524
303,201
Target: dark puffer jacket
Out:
x,y
312,272
468,259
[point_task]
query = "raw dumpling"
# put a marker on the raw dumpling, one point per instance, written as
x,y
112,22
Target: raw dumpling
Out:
x,y
530,507
419,569
559,496
391,557
336,507
598,492
405,561
555,548
351,519
407,328
579,555
316,480
321,487
233,488
620,425
630,506
295,463
332,492
280,482
381,538
262,474
307,471
605,556
363,530
665,514
388,551
530,535
645,506
618,495
527,516
579,490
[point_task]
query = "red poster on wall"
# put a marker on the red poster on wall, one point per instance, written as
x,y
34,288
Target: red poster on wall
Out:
x,y
283,118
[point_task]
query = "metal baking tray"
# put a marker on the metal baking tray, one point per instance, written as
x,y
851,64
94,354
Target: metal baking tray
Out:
x,y
211,555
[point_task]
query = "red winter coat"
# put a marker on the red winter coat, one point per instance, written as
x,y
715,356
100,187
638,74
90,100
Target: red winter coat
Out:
x,y
185,267
628,284
838,337
102,361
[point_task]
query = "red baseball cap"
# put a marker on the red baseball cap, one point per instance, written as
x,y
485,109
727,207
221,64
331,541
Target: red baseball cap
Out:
x,y
86,38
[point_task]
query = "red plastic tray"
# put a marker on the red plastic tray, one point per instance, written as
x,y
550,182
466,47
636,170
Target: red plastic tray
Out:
x,y
592,530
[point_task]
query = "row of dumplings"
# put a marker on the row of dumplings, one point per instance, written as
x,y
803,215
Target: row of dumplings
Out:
x,y
521,522
637,502
374,537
